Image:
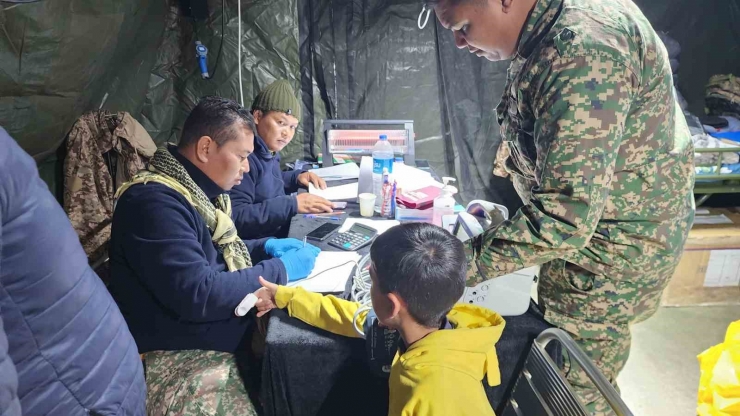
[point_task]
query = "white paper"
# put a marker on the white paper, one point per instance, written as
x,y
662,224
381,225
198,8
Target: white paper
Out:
x,y
410,178
380,225
339,172
335,193
702,211
712,219
330,273
723,268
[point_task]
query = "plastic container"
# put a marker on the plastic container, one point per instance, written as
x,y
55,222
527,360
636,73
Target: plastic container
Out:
x,y
509,295
387,192
367,203
445,203
414,215
398,161
382,159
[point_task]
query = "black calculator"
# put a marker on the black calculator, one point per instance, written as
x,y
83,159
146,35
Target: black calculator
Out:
x,y
356,238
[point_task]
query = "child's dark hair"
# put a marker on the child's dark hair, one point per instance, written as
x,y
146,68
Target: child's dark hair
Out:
x,y
424,265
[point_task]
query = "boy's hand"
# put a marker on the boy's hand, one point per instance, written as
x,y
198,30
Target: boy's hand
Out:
x,y
265,297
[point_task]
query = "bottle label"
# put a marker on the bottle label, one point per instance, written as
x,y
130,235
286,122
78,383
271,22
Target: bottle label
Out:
x,y
380,164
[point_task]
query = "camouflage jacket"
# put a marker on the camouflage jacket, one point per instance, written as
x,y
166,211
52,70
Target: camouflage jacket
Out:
x,y
595,143
100,147
723,96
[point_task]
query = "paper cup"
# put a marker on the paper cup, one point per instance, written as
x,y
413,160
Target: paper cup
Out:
x,y
367,204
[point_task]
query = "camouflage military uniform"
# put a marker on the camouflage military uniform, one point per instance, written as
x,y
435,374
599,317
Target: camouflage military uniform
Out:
x,y
195,383
723,96
601,155
88,177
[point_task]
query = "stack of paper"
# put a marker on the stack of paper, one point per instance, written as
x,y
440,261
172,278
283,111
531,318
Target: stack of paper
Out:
x,y
339,172
330,273
335,193
410,178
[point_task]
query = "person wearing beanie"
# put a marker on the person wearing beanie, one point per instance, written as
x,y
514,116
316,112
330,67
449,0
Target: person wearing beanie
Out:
x,y
263,203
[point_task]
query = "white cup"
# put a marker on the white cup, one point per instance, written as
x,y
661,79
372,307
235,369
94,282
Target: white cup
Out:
x,y
367,204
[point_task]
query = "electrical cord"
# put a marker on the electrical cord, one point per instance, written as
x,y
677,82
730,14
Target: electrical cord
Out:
x,y
221,45
223,32
361,282
360,292
428,11
324,271
239,51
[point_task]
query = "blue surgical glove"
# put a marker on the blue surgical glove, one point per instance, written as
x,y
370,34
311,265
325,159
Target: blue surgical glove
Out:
x,y
278,247
299,263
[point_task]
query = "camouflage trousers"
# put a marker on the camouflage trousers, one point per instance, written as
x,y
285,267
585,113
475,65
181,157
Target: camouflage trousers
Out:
x,y
195,383
597,312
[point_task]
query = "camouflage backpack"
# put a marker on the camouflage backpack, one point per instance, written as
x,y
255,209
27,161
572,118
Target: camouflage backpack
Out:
x,y
723,96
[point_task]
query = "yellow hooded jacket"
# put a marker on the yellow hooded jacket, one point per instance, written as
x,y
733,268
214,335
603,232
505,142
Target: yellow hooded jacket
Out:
x,y
439,375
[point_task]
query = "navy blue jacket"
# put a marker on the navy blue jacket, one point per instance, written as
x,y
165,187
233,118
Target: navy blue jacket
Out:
x,y
262,203
64,346
168,277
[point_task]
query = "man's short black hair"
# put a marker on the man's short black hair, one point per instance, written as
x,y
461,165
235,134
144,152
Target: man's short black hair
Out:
x,y
424,265
216,117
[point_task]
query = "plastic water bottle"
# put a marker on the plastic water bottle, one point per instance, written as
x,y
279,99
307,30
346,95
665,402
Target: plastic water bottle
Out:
x,y
444,204
382,159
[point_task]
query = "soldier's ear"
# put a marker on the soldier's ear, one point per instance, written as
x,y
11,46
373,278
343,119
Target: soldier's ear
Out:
x,y
203,148
506,5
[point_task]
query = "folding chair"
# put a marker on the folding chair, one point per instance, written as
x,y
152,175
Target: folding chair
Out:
x,y
541,389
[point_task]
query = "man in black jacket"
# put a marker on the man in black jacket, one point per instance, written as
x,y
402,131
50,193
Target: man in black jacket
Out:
x,y
179,268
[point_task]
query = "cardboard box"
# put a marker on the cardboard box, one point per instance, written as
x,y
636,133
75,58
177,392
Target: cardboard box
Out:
x,y
709,271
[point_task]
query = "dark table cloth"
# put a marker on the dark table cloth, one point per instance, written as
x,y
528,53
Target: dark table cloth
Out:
x,y
307,371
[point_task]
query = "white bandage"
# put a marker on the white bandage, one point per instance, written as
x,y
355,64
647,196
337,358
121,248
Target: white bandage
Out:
x,y
246,305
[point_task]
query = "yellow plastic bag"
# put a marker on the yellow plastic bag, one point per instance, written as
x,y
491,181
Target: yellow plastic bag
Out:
x,y
719,386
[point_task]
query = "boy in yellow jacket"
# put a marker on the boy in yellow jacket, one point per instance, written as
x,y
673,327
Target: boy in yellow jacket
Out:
x,y
418,273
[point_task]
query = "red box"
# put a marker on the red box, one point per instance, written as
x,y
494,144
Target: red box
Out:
x,y
419,199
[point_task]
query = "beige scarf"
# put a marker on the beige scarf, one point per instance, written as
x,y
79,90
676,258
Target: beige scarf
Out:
x,y
165,169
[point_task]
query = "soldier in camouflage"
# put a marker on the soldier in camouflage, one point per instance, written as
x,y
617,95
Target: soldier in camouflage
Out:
x,y
600,153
